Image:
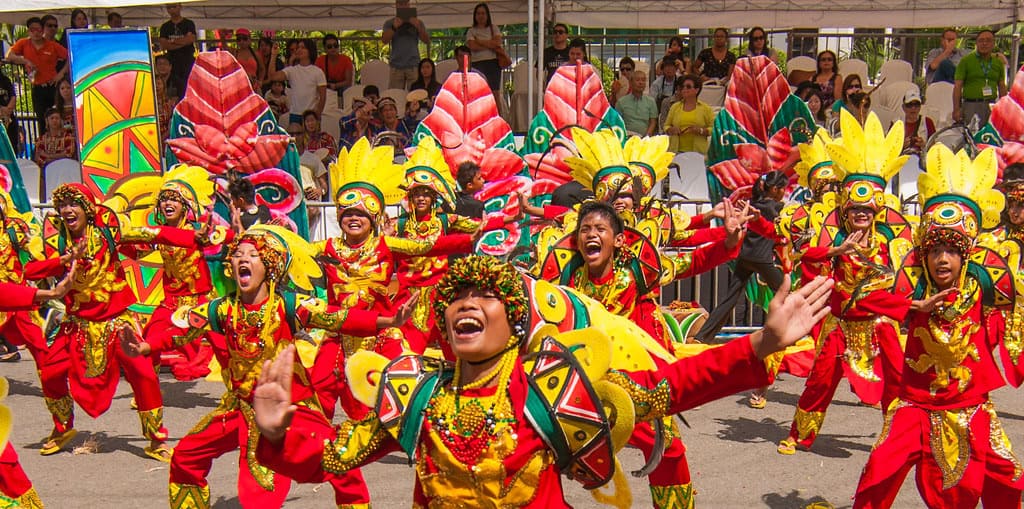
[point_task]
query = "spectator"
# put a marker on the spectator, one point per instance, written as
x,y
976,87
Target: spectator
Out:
x,y
114,20
757,44
917,128
79,19
414,110
638,111
358,124
578,51
664,86
56,143
404,35
689,120
40,58
427,80
8,102
177,39
860,106
50,27
484,39
399,133
557,54
337,67
940,64
166,97
716,62
808,92
244,211
851,84
65,104
463,58
268,61
620,86
676,50
277,99
979,81
307,82
246,56
470,181
827,78
314,138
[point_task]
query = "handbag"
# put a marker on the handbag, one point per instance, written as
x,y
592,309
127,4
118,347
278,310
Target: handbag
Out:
x,y
503,59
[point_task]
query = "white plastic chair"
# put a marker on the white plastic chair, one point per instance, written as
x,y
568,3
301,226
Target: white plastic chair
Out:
x,y
713,95
891,94
690,179
938,103
375,72
520,96
399,96
855,66
61,171
30,177
445,67
348,95
801,63
896,70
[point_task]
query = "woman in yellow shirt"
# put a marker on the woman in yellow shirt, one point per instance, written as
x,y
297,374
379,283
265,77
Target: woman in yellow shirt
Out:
x,y
689,121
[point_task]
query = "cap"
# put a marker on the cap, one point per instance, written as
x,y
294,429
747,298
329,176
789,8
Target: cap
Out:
x,y
911,96
359,100
416,95
384,101
243,31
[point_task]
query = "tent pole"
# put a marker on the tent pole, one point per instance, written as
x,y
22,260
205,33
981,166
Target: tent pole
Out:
x,y
531,58
541,30
1015,49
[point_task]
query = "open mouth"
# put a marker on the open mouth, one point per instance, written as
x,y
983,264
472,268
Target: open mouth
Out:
x,y
169,211
244,275
466,328
592,248
70,220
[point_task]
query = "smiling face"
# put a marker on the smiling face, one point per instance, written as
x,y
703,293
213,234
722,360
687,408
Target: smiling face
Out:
x,y
74,217
311,123
596,241
944,263
478,327
623,202
248,268
173,211
859,218
1015,212
80,20
422,200
356,226
814,104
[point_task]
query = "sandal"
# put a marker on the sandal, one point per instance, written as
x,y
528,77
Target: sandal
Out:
x,y
787,447
56,441
10,356
159,451
757,400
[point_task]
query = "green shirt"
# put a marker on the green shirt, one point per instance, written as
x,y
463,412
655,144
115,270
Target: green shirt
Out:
x,y
637,113
978,73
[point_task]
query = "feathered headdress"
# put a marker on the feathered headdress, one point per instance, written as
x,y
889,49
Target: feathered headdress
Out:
x,y
866,158
601,164
427,168
287,257
957,197
189,184
815,169
648,159
366,178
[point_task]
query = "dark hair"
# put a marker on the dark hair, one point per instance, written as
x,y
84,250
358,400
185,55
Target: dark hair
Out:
x,y
676,39
1013,172
162,56
581,45
419,76
74,14
264,39
721,29
600,209
111,15
310,48
310,112
329,37
34,20
768,180
750,36
807,86
241,188
680,81
984,30
486,9
669,60
58,102
49,17
371,89
835,63
563,25
626,60
51,111
466,173
848,80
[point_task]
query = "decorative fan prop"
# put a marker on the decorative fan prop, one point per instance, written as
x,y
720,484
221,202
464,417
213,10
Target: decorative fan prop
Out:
x,y
757,131
466,125
225,127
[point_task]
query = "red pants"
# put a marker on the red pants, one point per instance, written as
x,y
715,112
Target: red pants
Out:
x,y
195,360
988,476
13,481
420,331
195,453
672,474
22,329
829,367
95,359
328,373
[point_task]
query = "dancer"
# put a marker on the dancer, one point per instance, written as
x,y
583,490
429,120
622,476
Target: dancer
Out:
x,y
259,321
857,245
97,312
472,422
942,421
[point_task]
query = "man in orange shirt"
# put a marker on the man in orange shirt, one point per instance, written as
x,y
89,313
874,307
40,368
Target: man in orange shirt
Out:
x,y
40,56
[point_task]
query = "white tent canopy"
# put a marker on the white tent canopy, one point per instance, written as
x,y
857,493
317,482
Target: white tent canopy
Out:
x,y
370,15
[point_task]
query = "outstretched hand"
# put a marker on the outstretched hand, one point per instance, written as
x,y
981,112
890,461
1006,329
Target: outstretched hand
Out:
x,y
928,305
849,246
402,314
735,223
272,400
131,344
791,315
74,253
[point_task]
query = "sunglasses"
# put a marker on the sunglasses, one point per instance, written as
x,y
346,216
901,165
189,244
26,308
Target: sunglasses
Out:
x,y
760,38
828,59
853,87
331,46
687,87
626,69
51,25
561,32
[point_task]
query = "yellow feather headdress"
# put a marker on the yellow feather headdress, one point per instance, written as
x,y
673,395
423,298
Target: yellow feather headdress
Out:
x,y
867,158
427,168
815,167
286,255
192,184
366,178
957,195
648,159
601,164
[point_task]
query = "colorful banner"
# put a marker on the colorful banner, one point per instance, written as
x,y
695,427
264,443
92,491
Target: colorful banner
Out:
x,y
115,105
10,175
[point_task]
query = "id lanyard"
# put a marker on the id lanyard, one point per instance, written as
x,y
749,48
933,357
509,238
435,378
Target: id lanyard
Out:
x,y
986,66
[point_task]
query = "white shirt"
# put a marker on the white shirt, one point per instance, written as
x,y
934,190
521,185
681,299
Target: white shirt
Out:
x,y
303,81
482,34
